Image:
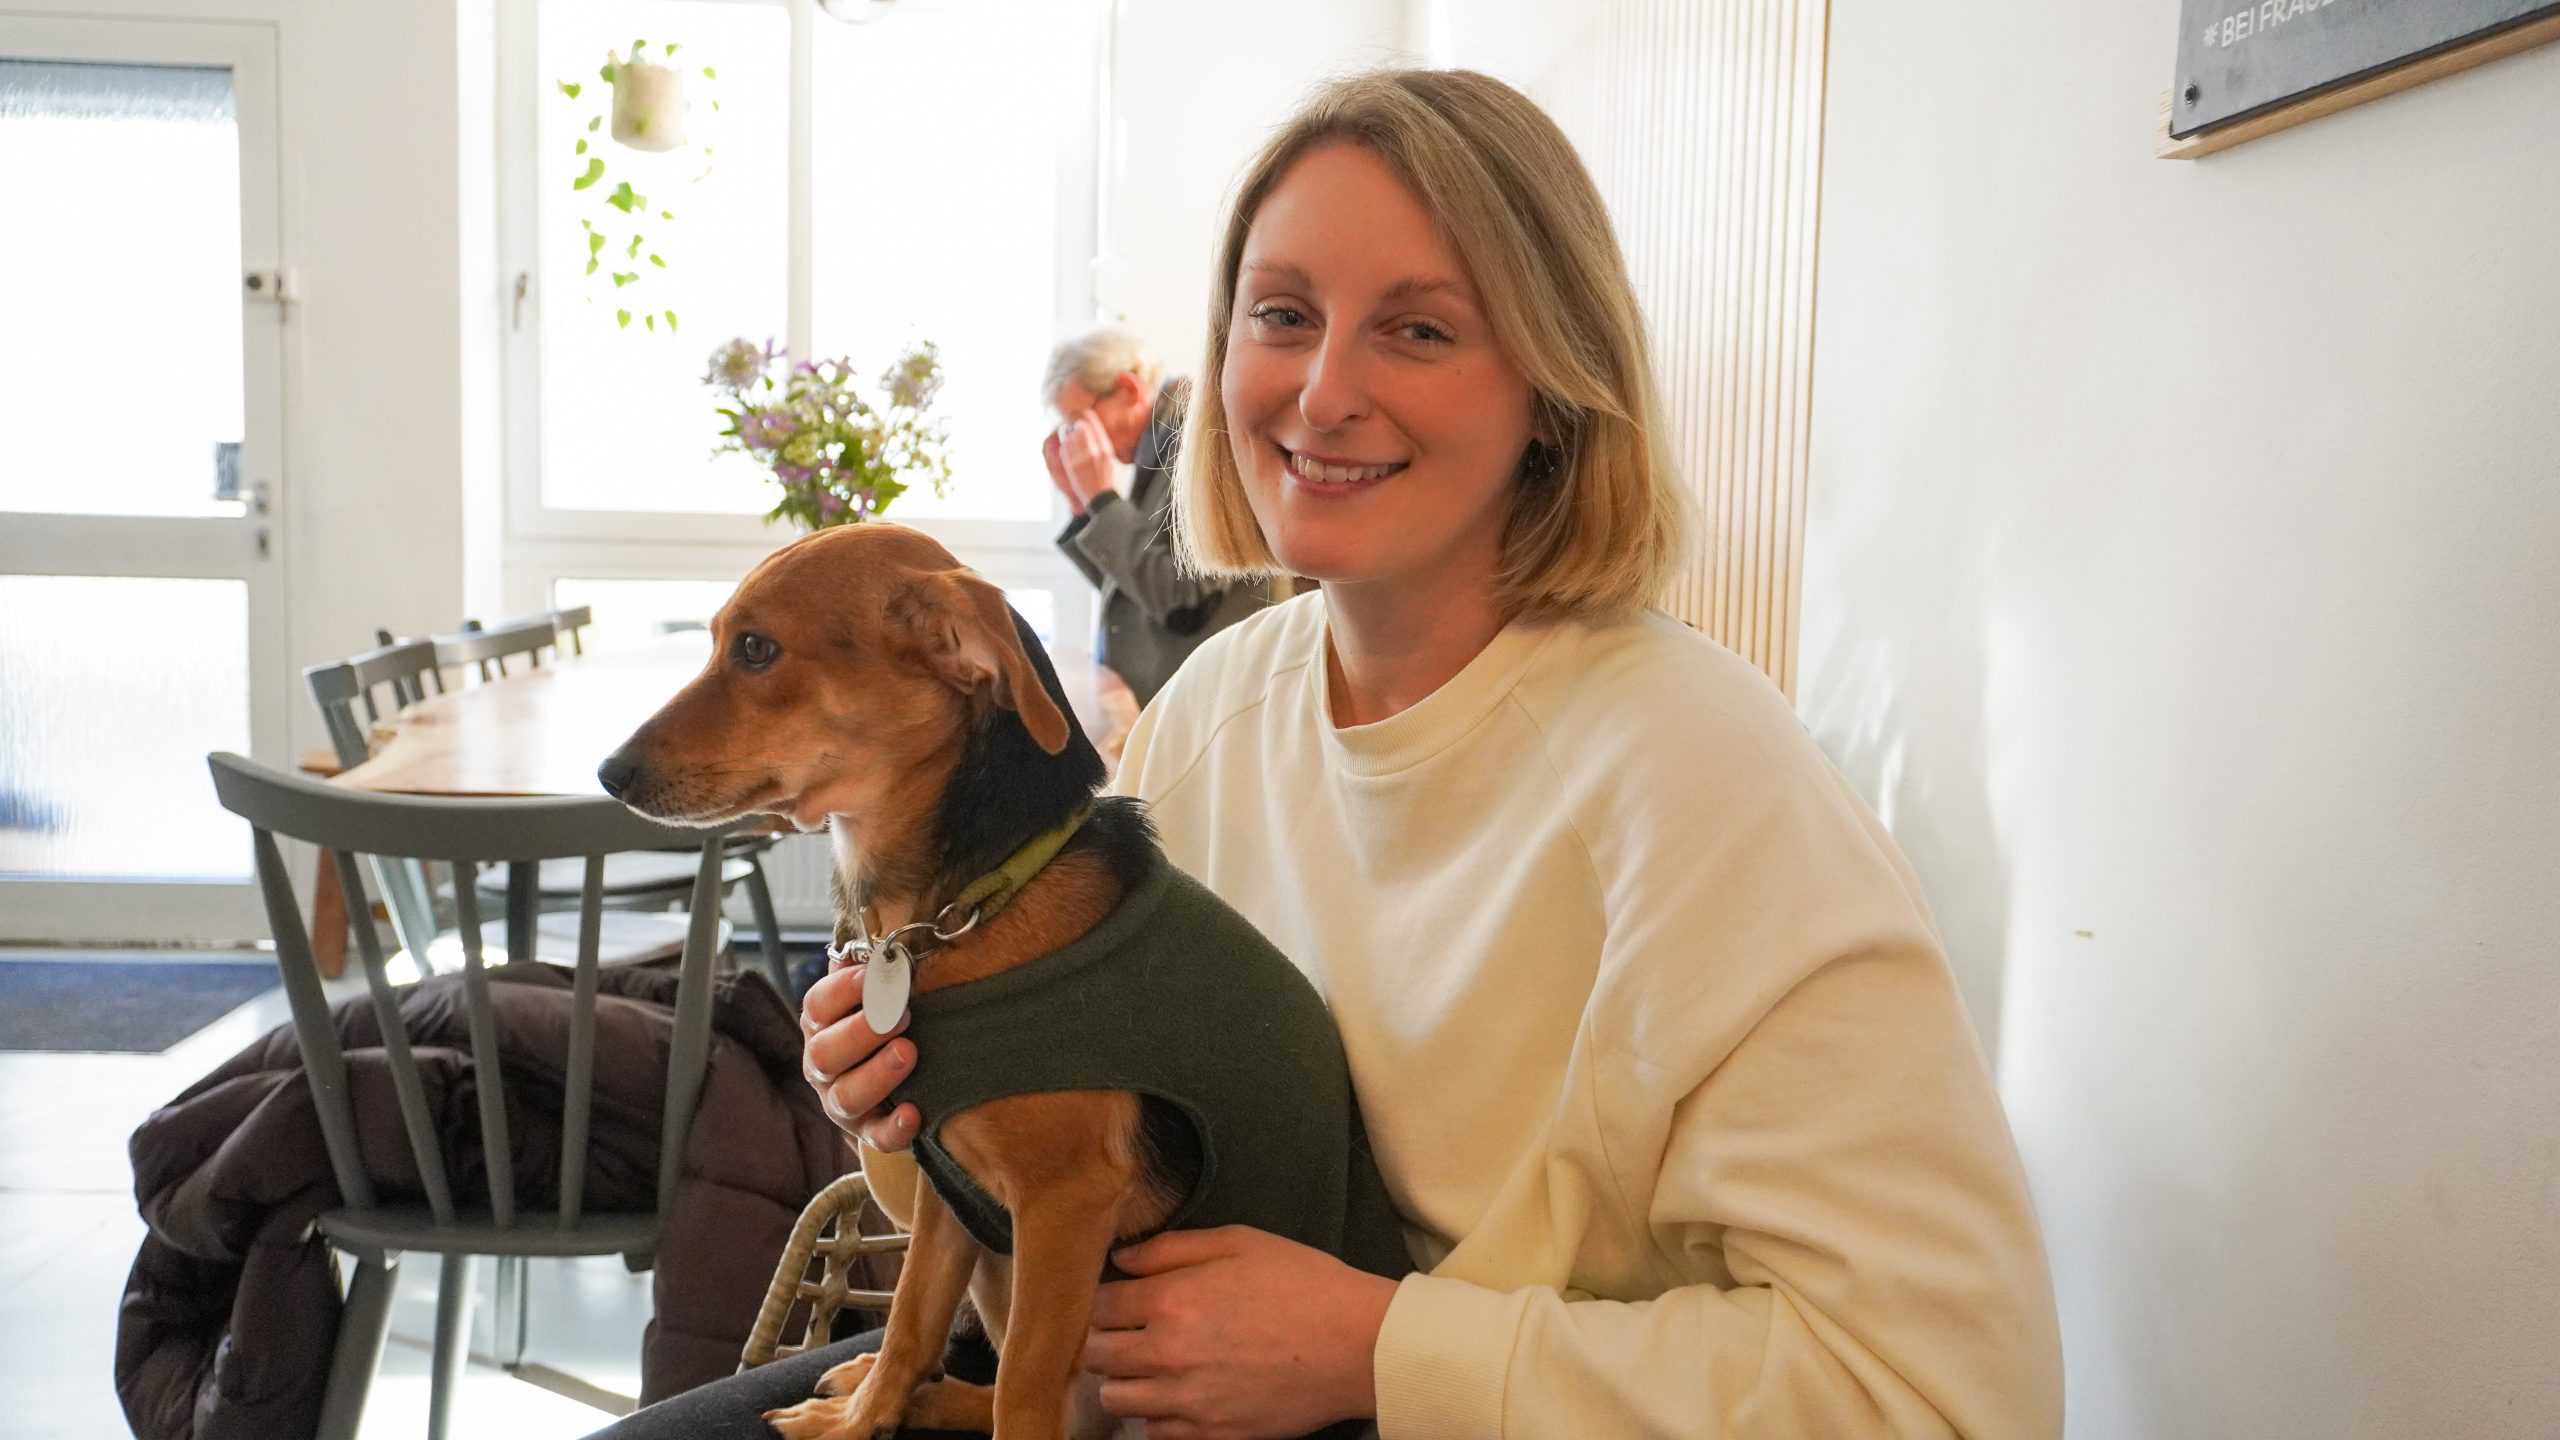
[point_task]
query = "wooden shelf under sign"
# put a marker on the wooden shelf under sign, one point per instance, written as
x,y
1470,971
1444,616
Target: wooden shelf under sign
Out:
x,y
2372,87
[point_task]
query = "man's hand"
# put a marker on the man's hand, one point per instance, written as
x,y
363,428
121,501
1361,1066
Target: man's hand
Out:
x,y
1236,1334
852,1069
1084,458
1058,470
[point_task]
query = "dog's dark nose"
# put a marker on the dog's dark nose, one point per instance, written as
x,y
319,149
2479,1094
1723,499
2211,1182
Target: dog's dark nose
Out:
x,y
616,774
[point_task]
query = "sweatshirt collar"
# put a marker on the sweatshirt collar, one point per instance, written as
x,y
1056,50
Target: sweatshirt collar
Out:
x,y
1439,719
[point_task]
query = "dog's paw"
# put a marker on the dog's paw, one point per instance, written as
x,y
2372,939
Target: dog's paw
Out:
x,y
850,1405
844,1379
825,1418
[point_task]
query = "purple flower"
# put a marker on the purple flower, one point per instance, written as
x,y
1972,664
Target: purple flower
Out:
x,y
915,379
739,364
765,429
790,474
830,506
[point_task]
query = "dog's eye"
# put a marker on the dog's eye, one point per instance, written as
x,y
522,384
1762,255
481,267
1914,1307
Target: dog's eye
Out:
x,y
755,651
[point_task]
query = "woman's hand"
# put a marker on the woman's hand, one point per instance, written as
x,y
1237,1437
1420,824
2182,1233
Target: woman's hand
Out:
x,y
852,1069
1236,1334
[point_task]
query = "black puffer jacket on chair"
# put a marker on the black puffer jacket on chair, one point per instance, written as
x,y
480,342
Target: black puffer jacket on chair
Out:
x,y
231,1310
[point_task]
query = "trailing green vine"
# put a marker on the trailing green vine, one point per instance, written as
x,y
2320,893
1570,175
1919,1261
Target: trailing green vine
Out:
x,y
645,107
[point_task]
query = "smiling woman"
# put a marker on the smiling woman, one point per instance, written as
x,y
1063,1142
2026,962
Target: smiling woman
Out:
x,y
1652,1036
1653,1041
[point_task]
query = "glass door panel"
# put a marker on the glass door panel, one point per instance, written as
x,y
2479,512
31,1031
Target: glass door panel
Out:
x,y
138,169
92,755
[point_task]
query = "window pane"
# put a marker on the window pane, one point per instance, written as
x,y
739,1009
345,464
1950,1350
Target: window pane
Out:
x,y
627,423
111,692
937,218
629,612
120,373
1039,609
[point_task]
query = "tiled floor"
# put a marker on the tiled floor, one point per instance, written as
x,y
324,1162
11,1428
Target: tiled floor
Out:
x,y
68,1233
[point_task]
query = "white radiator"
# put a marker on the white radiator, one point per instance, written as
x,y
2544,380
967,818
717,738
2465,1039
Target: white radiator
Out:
x,y
797,870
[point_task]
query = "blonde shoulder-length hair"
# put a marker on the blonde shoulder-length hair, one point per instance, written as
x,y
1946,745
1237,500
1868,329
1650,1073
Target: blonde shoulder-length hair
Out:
x,y
1598,519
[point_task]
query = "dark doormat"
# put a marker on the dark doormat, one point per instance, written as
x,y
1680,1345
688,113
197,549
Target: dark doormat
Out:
x,y
123,1006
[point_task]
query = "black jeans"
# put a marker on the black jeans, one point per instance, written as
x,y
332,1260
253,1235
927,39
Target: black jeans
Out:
x,y
733,1409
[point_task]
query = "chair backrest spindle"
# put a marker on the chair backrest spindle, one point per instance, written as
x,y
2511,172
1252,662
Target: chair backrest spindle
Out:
x,y
487,649
691,1046
322,1060
403,1064
572,624
580,1101
496,1144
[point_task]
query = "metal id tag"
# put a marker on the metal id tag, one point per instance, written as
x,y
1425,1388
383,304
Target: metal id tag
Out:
x,y
885,983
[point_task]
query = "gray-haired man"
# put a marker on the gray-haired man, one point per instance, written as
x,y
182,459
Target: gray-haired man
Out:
x,y
1104,388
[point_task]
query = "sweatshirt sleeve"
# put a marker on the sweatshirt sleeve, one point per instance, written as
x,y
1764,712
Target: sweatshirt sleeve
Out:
x,y
1881,1270
1806,1133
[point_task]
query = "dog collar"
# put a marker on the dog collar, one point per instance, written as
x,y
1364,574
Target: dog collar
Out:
x,y
889,960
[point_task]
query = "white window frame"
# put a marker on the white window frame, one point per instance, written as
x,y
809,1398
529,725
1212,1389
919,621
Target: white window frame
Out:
x,y
543,544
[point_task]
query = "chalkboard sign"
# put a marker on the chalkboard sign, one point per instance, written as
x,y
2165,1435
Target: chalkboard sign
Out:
x,y
2239,57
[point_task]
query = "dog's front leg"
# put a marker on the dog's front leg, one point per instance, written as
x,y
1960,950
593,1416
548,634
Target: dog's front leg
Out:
x,y
867,1396
1060,1240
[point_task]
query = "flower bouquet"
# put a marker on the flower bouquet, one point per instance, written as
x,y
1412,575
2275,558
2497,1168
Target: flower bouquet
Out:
x,y
840,456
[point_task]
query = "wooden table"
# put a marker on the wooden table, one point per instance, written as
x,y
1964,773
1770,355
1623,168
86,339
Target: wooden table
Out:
x,y
544,731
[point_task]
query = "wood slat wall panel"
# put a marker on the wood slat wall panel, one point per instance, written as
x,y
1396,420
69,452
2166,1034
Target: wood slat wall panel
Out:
x,y
1701,121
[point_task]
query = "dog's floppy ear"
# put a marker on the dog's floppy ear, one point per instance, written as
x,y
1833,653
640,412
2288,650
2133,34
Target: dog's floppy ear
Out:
x,y
961,627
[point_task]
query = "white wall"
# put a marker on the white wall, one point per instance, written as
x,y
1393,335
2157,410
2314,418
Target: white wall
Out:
x,y
1196,86
2182,586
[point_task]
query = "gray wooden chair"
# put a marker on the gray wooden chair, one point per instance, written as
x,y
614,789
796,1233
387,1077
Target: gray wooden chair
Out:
x,y
406,673
456,1226
488,650
572,624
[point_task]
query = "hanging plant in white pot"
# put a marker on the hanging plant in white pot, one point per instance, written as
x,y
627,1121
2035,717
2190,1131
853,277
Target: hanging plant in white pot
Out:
x,y
648,114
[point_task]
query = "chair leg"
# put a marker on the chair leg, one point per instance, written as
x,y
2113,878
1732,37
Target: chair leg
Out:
x,y
362,1324
768,929
453,1343
515,1295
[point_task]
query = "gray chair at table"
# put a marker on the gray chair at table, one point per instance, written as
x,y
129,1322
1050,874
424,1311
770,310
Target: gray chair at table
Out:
x,y
488,650
455,1226
572,624
403,675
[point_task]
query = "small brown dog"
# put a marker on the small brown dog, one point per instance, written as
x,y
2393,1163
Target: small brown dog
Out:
x,y
863,681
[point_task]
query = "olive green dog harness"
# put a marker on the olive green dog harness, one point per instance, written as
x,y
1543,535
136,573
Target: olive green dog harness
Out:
x,y
1174,996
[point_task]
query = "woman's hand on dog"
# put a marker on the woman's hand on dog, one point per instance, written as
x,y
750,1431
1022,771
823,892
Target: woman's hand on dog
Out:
x,y
852,1069
1236,1334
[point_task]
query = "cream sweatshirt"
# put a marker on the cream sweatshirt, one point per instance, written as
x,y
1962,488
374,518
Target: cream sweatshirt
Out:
x,y
1652,1033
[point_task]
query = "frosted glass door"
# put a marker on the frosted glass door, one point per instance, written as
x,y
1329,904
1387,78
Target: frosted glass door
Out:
x,y
140,474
